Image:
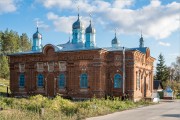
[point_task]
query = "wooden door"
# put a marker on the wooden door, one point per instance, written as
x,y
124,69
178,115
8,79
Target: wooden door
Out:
x,y
50,85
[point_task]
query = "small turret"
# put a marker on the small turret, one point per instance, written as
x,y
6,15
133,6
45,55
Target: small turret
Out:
x,y
115,42
37,39
90,36
77,32
141,42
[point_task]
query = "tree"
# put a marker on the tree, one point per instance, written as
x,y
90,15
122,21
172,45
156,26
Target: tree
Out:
x,y
161,69
174,77
4,68
175,70
1,43
25,44
10,42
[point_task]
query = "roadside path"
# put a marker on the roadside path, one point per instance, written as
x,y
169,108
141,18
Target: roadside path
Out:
x,y
166,110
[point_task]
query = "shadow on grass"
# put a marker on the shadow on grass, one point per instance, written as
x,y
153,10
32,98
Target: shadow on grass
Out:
x,y
172,115
166,100
4,94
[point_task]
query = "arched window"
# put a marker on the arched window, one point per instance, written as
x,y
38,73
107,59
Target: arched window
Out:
x,y
62,81
40,80
117,81
138,80
21,80
83,81
149,80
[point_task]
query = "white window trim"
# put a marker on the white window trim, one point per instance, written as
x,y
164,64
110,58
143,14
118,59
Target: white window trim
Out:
x,y
64,66
21,67
49,63
38,67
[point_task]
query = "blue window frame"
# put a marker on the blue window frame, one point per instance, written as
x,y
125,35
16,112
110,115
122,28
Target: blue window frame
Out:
x,y
117,81
84,81
21,80
40,80
62,81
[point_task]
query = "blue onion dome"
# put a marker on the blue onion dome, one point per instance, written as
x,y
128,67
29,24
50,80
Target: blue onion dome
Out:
x,y
78,24
37,35
141,39
90,29
115,40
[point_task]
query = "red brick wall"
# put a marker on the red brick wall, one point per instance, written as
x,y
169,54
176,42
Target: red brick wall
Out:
x,y
100,66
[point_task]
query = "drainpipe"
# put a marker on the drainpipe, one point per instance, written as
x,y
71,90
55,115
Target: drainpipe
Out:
x,y
124,71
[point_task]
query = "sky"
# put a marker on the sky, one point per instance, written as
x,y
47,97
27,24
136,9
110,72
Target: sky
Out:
x,y
158,20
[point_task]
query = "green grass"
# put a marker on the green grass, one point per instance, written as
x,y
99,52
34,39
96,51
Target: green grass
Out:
x,y
3,86
178,97
60,109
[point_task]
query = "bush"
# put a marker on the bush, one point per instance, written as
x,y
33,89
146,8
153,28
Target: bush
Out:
x,y
59,108
66,106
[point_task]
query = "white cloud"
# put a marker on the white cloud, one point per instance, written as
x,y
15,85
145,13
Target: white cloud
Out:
x,y
7,6
122,3
58,3
155,3
52,16
174,54
155,20
41,24
164,44
63,23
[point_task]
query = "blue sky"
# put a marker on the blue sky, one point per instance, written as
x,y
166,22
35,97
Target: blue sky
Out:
x,y
159,21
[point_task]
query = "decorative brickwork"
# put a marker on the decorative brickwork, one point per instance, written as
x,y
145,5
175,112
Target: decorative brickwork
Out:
x,y
99,65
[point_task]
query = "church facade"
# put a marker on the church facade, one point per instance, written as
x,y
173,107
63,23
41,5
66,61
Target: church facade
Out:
x,y
81,70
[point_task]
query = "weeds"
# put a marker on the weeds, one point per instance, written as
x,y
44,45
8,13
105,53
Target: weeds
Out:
x,y
59,108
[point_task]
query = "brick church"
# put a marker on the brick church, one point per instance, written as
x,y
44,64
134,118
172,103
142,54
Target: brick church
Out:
x,y
80,70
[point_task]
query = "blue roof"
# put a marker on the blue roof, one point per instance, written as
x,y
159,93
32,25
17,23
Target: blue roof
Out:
x,y
75,47
141,49
23,53
80,47
114,48
168,89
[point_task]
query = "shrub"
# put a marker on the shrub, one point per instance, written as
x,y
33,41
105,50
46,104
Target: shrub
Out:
x,y
66,106
59,108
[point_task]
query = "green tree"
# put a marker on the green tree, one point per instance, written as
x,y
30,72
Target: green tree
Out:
x,y
10,42
162,72
1,43
175,70
25,44
4,68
